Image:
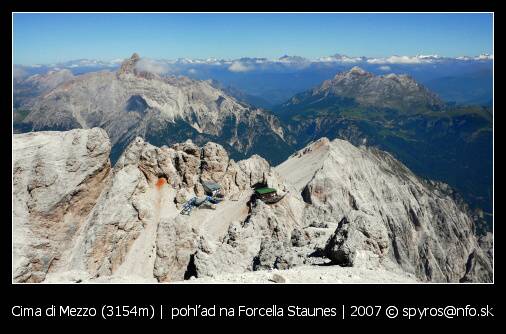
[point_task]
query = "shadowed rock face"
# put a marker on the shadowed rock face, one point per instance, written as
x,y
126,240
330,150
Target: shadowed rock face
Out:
x,y
137,104
75,219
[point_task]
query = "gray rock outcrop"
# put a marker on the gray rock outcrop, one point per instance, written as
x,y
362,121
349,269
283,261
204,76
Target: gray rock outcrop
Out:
x,y
57,179
386,211
343,207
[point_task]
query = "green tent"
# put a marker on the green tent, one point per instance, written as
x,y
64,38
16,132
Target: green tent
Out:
x,y
265,191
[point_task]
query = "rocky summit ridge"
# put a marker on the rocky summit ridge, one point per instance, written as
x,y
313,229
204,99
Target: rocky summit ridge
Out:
x,y
355,210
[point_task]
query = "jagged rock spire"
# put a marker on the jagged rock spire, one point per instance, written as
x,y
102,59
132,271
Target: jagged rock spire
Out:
x,y
128,65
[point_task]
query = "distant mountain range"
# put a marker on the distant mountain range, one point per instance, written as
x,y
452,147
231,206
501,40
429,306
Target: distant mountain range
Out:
x,y
267,82
286,60
394,112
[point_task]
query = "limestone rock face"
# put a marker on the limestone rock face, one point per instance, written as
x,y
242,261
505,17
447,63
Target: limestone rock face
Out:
x,y
57,179
176,243
256,243
75,219
385,210
364,234
135,228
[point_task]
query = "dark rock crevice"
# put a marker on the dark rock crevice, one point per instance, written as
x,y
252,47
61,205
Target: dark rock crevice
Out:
x,y
191,269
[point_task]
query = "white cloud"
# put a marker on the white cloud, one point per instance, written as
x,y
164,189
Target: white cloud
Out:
x,y
337,58
419,59
399,60
237,66
484,56
152,66
435,56
385,68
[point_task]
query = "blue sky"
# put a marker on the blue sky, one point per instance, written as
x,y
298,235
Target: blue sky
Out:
x,y
49,38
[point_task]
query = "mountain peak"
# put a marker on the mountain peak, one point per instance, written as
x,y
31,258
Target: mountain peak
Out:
x,y
401,78
354,72
292,59
128,65
383,91
357,70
